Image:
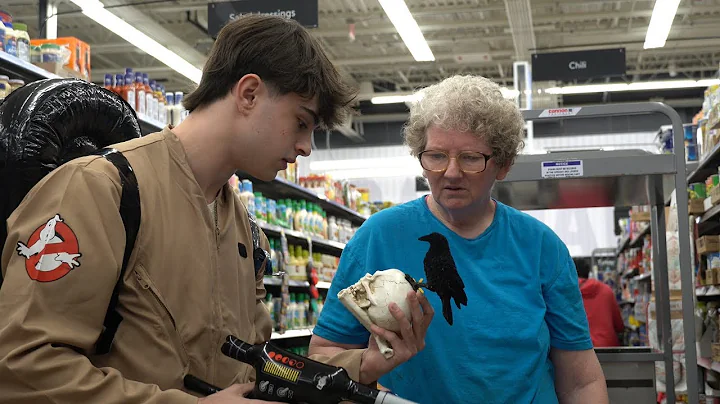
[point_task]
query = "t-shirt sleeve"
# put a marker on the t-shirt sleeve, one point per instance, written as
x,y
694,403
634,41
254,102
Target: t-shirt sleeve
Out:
x,y
336,323
565,314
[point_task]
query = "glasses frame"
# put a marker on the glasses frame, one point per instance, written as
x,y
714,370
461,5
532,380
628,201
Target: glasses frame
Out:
x,y
486,156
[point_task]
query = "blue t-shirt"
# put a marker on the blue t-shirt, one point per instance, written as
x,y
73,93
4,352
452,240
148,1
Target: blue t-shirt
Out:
x,y
523,298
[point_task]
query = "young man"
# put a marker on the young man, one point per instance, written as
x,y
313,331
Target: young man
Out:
x,y
601,308
191,279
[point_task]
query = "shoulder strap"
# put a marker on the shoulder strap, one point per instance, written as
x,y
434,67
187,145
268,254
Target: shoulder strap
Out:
x,y
130,214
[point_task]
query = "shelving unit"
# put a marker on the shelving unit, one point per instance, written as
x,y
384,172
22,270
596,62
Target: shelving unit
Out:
x,y
620,178
295,284
633,242
28,72
280,188
319,244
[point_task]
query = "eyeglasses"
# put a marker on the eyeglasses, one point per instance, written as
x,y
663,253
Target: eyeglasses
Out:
x,y
469,162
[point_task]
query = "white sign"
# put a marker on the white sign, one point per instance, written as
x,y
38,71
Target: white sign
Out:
x,y
548,113
562,169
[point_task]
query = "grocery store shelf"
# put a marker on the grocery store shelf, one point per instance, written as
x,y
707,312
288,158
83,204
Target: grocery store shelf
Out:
x,y
638,241
280,188
707,291
623,245
16,68
274,230
28,72
706,167
291,282
707,363
305,332
296,284
710,214
634,242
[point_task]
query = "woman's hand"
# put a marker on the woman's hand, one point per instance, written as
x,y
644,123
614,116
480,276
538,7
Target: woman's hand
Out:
x,y
406,345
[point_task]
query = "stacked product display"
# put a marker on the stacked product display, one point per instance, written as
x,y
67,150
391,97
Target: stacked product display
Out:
x,y
147,97
298,215
305,245
14,37
634,269
66,57
8,85
301,311
295,266
708,119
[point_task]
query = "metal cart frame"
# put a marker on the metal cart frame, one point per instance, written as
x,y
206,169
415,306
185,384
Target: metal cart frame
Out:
x,y
621,178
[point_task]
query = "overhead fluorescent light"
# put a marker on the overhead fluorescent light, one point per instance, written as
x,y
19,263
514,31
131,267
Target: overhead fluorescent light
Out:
x,y
399,14
643,86
660,23
97,12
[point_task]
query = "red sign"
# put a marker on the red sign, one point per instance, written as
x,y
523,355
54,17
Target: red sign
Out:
x,y
51,252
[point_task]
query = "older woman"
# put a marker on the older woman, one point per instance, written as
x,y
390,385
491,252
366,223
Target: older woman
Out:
x,y
513,329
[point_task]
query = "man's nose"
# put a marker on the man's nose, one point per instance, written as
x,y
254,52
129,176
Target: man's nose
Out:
x,y
304,146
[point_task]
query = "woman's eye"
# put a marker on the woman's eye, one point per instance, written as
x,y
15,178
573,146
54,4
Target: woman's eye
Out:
x,y
302,124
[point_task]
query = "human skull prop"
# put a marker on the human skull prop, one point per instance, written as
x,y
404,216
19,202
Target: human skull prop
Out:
x,y
369,299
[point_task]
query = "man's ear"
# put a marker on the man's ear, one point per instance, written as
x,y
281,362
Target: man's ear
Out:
x,y
245,92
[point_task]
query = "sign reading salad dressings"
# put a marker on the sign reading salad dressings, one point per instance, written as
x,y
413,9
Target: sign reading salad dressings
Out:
x,y
305,12
562,169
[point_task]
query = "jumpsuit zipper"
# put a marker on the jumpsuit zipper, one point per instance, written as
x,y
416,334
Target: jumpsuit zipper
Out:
x,y
213,296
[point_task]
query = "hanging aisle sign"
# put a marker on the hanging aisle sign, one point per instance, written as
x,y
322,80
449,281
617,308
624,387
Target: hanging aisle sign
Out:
x,y
580,65
305,12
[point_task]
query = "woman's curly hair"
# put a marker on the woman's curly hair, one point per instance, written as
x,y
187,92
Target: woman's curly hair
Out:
x,y
468,104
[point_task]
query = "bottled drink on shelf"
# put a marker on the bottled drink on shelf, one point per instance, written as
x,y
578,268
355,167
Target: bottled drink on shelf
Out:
x,y
170,101
119,84
140,100
108,85
149,97
159,94
129,90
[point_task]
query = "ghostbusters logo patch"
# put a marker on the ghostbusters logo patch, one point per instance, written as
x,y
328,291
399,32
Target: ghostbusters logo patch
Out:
x,y
51,252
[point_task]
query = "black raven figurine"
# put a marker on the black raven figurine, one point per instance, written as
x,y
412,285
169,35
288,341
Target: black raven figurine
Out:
x,y
442,275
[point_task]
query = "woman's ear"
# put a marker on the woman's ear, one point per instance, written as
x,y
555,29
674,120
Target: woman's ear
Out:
x,y
503,172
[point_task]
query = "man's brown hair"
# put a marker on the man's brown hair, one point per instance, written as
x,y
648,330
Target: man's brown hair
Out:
x,y
285,56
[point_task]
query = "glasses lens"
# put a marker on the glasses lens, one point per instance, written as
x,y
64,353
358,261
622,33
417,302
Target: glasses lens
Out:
x,y
434,161
470,161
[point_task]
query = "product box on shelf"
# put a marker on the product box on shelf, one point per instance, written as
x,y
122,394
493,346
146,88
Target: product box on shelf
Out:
x,y
696,206
640,216
79,51
707,244
60,70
